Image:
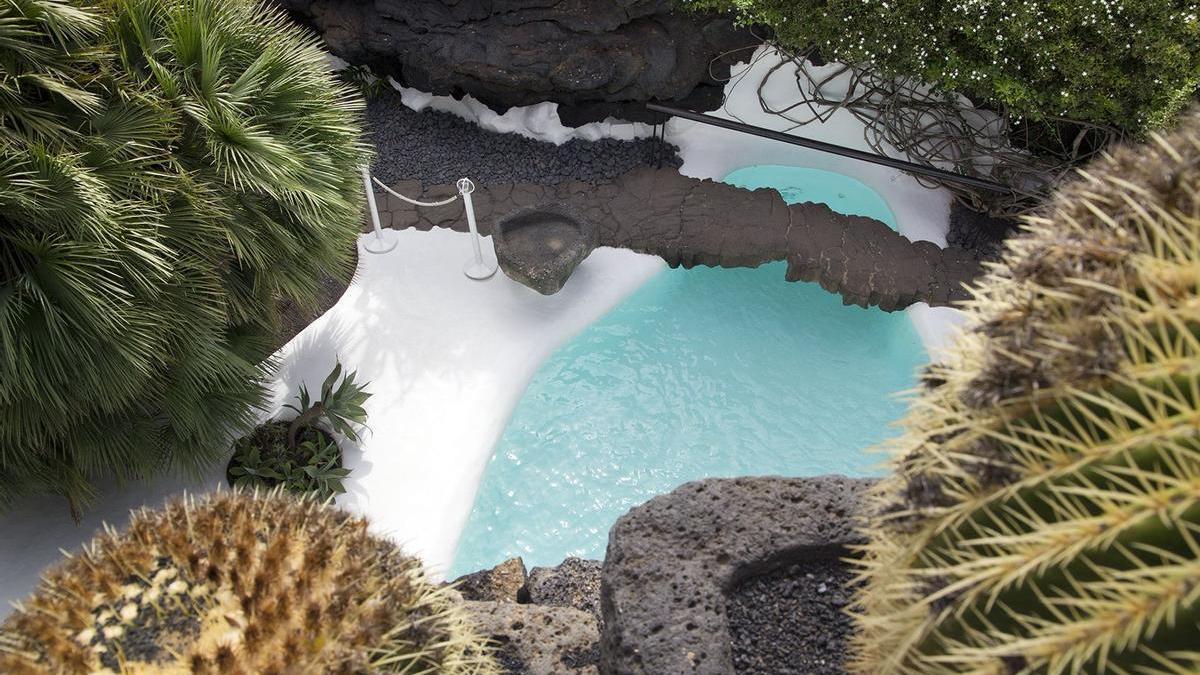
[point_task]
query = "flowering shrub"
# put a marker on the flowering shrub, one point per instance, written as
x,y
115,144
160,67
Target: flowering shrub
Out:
x,y
1129,63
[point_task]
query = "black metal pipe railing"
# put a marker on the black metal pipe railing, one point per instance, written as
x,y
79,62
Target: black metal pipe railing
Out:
x,y
822,146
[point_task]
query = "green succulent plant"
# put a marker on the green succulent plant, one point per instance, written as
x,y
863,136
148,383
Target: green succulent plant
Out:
x,y
241,583
1044,511
341,408
300,455
264,460
171,171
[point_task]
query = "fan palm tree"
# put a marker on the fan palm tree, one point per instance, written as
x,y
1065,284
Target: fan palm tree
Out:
x,y
169,171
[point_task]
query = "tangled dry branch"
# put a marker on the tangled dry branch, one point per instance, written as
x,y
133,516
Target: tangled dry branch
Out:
x,y
905,118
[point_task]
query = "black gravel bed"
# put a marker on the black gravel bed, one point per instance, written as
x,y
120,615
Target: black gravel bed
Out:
x,y
438,148
792,621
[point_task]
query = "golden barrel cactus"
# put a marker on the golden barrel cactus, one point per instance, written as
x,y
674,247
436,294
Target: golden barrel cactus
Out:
x,y
241,583
1043,515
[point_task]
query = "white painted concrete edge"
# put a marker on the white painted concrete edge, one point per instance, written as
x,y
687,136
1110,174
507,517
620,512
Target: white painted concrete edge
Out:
x,y
539,122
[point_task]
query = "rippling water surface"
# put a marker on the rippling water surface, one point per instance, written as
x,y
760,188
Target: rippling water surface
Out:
x,y
703,372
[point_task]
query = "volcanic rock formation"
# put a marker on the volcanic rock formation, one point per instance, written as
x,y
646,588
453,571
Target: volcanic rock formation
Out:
x,y
597,58
688,222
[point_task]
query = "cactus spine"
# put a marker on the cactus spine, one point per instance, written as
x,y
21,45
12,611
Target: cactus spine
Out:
x,y
241,583
1044,511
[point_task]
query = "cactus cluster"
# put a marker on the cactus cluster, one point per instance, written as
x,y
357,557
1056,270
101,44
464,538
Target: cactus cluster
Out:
x,y
241,583
1043,515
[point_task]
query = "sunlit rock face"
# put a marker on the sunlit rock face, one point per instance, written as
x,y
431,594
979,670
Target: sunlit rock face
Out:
x,y
596,58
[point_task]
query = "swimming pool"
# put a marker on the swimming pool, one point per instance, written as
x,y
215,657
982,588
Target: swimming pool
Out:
x,y
700,373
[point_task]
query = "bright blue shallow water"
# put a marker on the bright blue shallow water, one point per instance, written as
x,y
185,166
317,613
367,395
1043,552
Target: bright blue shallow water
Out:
x,y
703,372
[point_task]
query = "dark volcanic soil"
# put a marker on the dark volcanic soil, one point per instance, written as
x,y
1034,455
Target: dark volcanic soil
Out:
x,y
294,319
792,622
438,148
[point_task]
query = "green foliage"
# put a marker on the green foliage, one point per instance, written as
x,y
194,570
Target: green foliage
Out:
x,y
1044,513
362,80
169,171
300,455
242,583
265,460
340,409
1132,64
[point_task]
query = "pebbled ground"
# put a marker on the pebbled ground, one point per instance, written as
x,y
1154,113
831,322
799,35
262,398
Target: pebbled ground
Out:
x,y
792,621
438,148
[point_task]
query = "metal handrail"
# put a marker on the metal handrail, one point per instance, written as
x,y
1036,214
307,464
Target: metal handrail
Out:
x,y
822,146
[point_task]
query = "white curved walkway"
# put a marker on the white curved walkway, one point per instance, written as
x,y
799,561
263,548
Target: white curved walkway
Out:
x,y
448,358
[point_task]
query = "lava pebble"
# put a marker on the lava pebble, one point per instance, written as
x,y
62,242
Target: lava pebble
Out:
x,y
438,148
792,621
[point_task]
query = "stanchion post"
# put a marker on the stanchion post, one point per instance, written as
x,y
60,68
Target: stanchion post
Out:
x,y
476,267
380,244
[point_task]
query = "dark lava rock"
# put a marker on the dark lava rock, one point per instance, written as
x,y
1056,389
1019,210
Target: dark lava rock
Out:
x,y
438,148
540,247
502,583
596,58
688,222
672,562
573,583
978,233
535,639
793,621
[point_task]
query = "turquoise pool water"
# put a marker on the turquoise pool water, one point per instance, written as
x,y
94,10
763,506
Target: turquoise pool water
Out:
x,y
798,184
703,372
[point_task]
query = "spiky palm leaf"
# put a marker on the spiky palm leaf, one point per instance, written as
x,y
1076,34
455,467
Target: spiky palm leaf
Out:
x,y
1044,516
169,170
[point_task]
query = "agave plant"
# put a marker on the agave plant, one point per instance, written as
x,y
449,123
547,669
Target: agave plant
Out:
x,y
242,583
1044,513
341,408
170,170
302,455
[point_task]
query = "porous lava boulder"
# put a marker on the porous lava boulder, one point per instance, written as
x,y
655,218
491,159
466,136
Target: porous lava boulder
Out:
x,y
980,234
540,246
502,583
673,562
573,583
794,620
596,58
533,639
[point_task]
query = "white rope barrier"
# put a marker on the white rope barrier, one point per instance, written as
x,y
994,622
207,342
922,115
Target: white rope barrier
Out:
x,y
476,268
409,199
380,244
